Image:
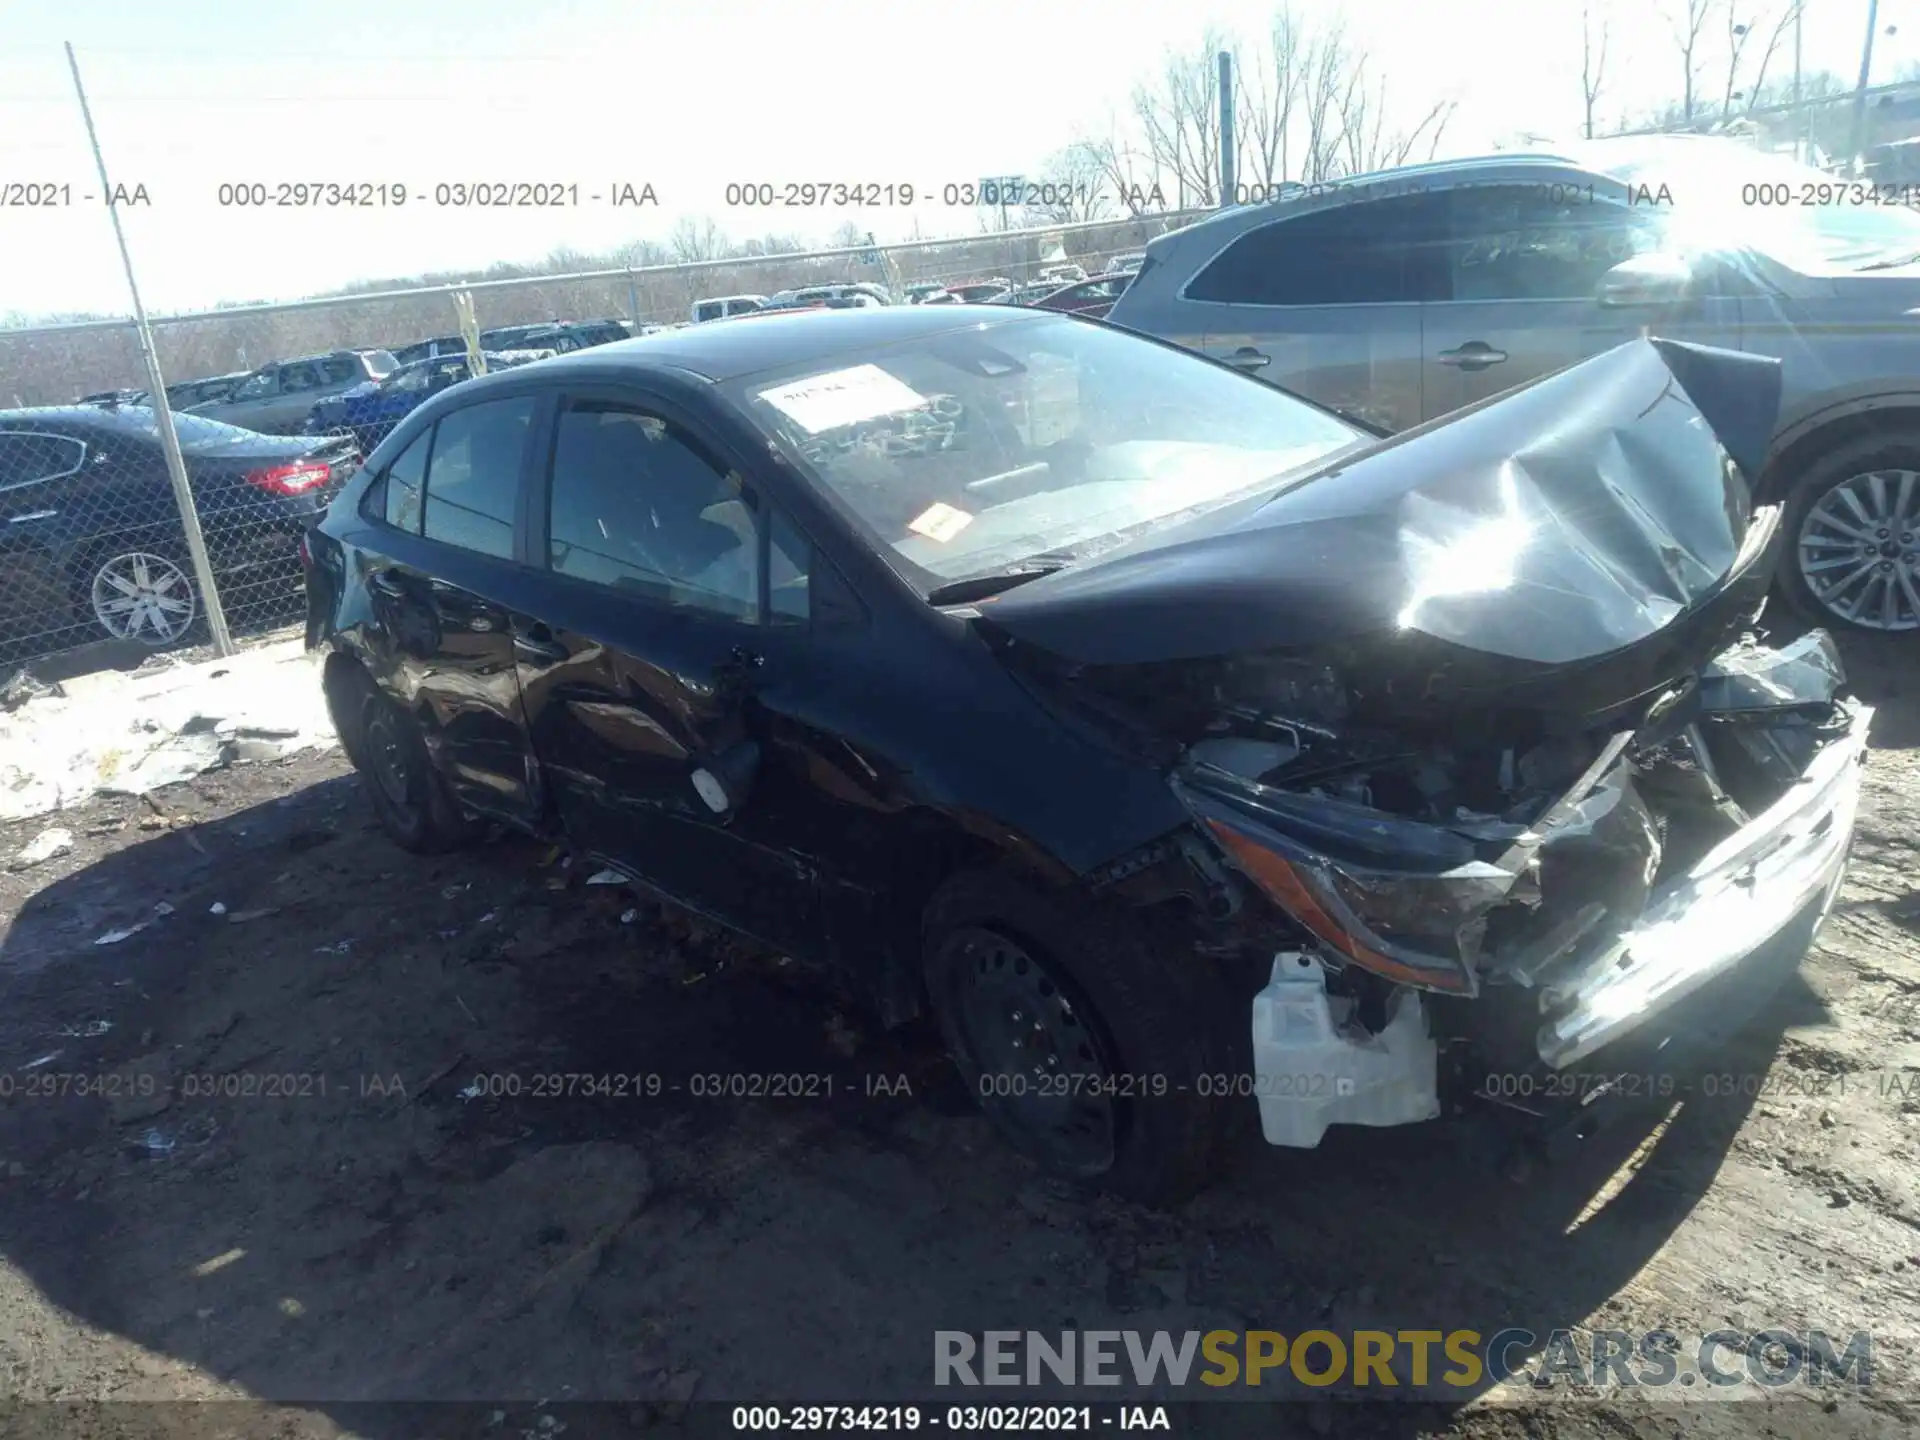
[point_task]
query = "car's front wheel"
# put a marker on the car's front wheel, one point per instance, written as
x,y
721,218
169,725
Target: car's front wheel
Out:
x,y
1085,1047
409,795
1854,536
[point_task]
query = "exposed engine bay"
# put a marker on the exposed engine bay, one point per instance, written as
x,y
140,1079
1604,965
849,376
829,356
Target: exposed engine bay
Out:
x,y
1465,854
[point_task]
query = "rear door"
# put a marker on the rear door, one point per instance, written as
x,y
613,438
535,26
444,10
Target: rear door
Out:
x,y
1327,303
1524,265
301,384
444,587
645,665
40,475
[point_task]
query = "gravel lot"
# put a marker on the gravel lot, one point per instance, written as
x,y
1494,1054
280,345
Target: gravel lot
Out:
x,y
351,1232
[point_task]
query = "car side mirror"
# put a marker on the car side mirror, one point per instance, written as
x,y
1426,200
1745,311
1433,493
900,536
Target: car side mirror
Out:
x,y
1655,279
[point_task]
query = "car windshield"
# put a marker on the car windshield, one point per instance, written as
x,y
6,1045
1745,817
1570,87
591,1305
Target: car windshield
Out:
x,y
1724,193
966,452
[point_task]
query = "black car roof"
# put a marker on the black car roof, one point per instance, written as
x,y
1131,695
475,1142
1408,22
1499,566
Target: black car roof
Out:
x,y
728,349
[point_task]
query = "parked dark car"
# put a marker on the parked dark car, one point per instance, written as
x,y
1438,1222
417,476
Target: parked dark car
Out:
x,y
558,336
1092,298
430,349
92,545
1165,736
367,412
275,399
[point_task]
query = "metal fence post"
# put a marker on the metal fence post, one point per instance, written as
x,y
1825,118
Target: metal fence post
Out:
x,y
157,393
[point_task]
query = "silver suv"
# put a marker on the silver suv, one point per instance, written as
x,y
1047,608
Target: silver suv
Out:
x,y
275,399
1403,295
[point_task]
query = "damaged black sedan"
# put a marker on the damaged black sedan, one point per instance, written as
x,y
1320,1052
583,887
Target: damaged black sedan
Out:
x,y
1183,750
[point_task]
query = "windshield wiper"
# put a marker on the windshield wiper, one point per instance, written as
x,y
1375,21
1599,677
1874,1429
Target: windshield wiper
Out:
x,y
1894,264
979,587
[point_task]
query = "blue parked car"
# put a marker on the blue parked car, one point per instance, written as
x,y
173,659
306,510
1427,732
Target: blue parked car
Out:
x,y
371,409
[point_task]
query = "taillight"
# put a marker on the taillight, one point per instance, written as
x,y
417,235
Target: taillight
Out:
x,y
295,479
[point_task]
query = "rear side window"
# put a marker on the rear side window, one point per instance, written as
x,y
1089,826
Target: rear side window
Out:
x,y
405,482
473,479
29,459
341,369
1372,252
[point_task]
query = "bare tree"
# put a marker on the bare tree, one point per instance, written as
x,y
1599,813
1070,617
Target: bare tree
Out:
x,y
697,239
1688,24
1269,81
1179,117
1127,168
1789,13
1593,63
1073,187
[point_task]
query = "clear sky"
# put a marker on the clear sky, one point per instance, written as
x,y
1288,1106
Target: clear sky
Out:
x,y
188,94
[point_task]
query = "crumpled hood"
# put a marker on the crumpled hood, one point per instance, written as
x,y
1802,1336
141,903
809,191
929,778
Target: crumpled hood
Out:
x,y
1566,521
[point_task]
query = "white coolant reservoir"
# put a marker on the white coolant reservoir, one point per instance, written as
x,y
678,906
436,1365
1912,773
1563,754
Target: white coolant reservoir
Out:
x,y
1315,1066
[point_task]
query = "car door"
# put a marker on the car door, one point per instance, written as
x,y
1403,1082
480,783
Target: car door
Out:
x,y
301,384
1326,303
247,405
443,586
645,666
39,471
1524,267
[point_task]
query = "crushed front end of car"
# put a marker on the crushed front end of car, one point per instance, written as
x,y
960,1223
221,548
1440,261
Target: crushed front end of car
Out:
x,y
1484,721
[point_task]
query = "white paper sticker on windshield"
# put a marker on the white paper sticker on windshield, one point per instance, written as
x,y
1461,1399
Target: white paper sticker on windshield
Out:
x,y
940,522
842,397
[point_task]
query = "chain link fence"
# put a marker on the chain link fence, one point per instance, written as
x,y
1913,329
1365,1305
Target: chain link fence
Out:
x,y
276,405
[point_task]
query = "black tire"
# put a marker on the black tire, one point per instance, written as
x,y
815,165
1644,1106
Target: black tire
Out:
x,y
409,795
1899,450
1111,1007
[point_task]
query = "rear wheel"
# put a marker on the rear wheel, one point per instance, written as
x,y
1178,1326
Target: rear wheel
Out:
x,y
143,595
408,794
1853,528
1082,1044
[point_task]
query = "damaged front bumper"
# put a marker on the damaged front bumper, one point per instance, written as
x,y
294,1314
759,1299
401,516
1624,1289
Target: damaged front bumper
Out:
x,y
1596,916
1745,891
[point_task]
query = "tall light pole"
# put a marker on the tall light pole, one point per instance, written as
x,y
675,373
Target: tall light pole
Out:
x,y
1856,132
1803,126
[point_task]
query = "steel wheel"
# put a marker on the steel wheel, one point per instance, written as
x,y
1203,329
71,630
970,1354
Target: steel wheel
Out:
x,y
145,597
1041,1071
1859,550
386,756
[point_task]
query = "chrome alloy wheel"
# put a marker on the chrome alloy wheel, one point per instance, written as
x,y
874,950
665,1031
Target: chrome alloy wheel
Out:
x,y
138,596
1859,550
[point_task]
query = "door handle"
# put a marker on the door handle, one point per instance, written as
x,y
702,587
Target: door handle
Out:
x,y
536,643
1474,355
1248,358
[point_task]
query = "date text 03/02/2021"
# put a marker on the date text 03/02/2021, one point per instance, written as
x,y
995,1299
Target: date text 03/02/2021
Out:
x,y
962,1419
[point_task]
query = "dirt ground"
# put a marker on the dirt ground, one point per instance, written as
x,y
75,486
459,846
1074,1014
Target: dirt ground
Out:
x,y
299,1190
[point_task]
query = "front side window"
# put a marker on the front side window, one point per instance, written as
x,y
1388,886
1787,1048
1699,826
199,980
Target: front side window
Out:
x,y
1361,252
473,479
637,505
301,376
1042,440
257,387
406,379
342,370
